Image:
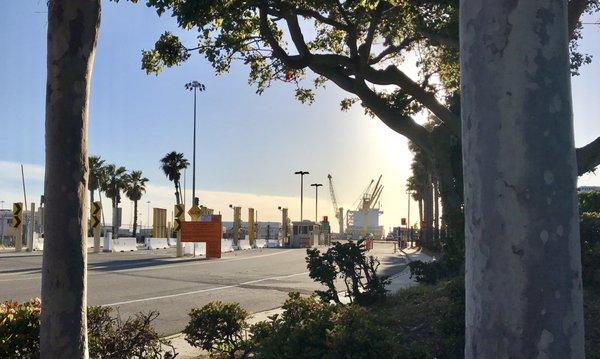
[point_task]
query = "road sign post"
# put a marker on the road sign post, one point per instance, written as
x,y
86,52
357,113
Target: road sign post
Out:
x,y
95,218
31,228
179,217
17,224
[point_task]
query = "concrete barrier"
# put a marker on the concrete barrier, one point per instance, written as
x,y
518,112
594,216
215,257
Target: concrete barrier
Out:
x,y
172,242
244,244
199,248
38,243
260,243
107,244
123,244
272,243
156,243
226,245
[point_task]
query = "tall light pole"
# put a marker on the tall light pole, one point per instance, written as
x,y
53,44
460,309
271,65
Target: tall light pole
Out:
x,y
408,227
316,186
2,222
301,173
194,86
148,215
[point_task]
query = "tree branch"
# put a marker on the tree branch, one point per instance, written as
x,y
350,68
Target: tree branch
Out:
x,y
324,19
296,62
393,76
364,50
392,49
395,120
588,157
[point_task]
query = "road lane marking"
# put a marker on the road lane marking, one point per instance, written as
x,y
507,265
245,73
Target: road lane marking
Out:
x,y
167,296
202,290
103,269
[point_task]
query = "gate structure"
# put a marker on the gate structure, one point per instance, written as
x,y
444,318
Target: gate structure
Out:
x,y
208,230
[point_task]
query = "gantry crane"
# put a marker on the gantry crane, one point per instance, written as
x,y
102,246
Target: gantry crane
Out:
x,y
339,211
369,200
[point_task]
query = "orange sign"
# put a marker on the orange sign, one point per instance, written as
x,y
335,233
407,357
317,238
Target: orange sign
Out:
x,y
208,230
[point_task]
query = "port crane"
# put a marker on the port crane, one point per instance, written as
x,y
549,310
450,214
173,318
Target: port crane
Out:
x,y
339,211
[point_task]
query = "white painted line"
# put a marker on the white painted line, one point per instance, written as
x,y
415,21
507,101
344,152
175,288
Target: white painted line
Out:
x,y
202,290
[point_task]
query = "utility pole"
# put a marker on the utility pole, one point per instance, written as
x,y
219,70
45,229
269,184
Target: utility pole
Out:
x,y
194,86
316,186
301,173
148,215
2,222
408,228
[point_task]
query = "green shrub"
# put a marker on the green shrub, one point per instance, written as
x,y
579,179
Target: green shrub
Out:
x,y
348,262
108,335
111,337
219,328
429,319
309,328
19,329
589,201
590,249
300,331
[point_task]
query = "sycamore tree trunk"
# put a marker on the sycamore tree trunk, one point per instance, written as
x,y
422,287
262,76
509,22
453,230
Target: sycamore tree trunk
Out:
x,y
523,268
72,33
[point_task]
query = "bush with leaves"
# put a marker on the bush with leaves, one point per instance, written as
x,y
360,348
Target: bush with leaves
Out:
x,y
589,201
111,337
219,328
590,249
108,335
19,329
309,328
349,263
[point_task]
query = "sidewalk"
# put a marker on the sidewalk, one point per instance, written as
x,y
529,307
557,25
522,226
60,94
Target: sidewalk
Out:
x,y
398,281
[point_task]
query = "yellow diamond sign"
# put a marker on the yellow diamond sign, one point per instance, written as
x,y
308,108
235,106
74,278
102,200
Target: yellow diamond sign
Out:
x,y
194,212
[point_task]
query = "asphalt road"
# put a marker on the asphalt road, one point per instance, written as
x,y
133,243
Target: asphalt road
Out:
x,y
154,280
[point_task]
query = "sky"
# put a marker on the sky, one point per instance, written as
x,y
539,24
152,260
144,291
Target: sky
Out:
x,y
248,145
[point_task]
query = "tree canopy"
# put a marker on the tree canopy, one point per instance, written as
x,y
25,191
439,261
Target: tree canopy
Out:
x,y
360,46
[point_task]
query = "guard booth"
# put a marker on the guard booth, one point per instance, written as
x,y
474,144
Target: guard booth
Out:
x,y
305,234
325,235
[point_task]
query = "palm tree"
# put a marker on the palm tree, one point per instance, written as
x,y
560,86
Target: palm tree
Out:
x,y
112,187
97,175
135,186
172,164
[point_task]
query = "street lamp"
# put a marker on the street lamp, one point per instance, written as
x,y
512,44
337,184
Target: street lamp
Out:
x,y
194,86
316,186
408,228
301,173
148,215
2,222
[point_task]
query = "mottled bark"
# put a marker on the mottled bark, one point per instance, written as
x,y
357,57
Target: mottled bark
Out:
x,y
523,268
72,33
